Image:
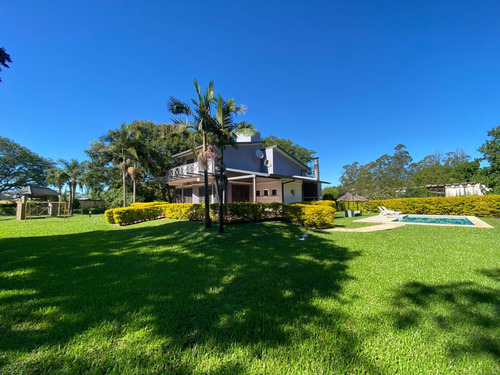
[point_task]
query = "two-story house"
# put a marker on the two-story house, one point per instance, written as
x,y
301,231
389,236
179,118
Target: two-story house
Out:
x,y
254,174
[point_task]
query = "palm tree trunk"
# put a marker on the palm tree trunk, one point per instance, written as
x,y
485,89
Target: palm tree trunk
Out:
x,y
208,221
73,197
133,199
124,189
221,192
221,201
59,200
70,198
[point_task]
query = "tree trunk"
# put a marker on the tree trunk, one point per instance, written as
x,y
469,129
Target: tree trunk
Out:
x,y
124,189
221,201
208,221
70,203
133,199
221,192
59,201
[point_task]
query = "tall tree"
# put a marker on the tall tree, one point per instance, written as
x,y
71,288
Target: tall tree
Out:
x,y
491,153
198,118
57,177
75,171
20,167
118,146
4,59
134,174
225,132
156,143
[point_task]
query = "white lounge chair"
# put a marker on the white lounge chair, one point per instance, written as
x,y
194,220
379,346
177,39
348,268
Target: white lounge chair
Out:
x,y
385,211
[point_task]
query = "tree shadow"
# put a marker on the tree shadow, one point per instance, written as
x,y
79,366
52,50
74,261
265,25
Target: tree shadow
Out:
x,y
468,313
254,287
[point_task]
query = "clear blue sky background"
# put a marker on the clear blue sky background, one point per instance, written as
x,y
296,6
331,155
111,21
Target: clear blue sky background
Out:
x,y
349,79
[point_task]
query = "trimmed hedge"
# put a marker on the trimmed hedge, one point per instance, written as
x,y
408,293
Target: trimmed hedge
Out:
x,y
313,216
108,216
477,205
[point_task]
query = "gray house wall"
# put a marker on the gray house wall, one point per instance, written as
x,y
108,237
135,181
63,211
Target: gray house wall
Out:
x,y
243,157
284,166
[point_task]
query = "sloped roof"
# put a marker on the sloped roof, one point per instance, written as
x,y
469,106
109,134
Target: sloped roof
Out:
x,y
37,191
348,197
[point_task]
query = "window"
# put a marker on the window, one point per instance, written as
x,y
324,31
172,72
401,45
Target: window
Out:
x,y
189,161
257,193
274,192
266,192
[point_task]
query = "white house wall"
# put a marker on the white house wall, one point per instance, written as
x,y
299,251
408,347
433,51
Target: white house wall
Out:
x,y
296,187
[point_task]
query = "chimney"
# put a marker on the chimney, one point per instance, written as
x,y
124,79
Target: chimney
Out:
x,y
316,176
316,168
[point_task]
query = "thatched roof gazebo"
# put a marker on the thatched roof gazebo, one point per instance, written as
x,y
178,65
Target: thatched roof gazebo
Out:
x,y
348,197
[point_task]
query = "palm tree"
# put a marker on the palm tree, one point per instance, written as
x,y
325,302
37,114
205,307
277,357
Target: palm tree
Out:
x,y
57,177
225,132
201,120
122,144
134,174
75,171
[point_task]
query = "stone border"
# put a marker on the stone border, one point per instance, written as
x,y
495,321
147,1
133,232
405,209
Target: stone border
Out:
x,y
373,228
382,219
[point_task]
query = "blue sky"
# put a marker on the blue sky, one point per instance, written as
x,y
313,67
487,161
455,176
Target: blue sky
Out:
x,y
349,79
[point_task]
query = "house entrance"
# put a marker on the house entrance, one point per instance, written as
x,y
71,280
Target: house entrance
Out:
x,y
240,193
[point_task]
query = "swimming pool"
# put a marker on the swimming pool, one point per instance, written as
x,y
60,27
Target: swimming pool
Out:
x,y
435,219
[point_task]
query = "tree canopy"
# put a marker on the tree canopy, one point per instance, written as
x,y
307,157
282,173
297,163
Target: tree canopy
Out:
x,y
395,176
20,167
4,59
147,146
491,152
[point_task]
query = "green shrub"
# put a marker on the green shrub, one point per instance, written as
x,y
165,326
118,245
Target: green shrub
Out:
x,y
108,216
7,209
310,215
325,203
478,205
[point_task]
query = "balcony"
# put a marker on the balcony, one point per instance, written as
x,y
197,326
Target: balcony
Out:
x,y
189,171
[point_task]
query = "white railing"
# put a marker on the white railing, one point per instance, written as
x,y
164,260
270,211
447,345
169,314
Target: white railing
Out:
x,y
189,170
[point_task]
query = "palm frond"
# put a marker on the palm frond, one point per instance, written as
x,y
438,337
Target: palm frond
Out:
x,y
177,107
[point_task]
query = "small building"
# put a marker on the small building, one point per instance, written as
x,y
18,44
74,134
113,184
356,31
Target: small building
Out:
x,y
457,189
40,194
91,203
254,174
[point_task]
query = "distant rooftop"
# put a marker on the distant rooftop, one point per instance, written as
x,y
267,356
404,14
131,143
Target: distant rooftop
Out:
x,y
37,191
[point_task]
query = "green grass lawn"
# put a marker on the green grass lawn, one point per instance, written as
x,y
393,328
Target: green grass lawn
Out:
x,y
81,296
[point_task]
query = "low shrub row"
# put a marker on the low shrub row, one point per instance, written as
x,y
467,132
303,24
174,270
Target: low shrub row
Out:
x,y
312,216
7,209
480,205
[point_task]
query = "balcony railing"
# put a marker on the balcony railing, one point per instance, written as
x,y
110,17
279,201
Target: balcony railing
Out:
x,y
189,171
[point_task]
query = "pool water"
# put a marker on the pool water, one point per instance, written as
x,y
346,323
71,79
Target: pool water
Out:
x,y
435,219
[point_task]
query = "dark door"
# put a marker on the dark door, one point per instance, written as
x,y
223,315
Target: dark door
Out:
x,y
240,193
188,195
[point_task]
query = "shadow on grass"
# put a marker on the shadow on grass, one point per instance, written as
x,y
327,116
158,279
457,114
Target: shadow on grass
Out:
x,y
466,312
253,288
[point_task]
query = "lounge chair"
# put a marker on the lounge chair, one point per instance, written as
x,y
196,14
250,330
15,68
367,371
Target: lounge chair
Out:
x,y
385,211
